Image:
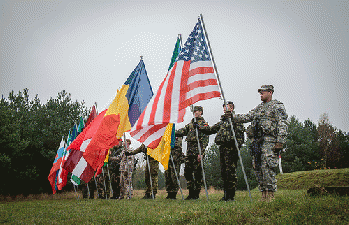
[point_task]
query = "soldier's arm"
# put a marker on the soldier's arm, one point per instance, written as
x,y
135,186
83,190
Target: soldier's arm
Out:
x,y
182,132
206,129
140,149
281,123
239,133
245,118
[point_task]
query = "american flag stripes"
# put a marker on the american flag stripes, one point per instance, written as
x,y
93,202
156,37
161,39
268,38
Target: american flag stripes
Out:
x,y
190,80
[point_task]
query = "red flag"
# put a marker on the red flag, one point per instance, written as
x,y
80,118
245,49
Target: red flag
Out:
x,y
93,115
190,80
76,163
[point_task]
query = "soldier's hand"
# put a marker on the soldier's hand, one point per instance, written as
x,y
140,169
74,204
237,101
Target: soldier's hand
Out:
x,y
127,153
199,158
278,147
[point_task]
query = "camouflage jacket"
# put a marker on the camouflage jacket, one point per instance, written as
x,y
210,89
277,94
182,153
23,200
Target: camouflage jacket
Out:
x,y
224,135
190,132
176,152
270,118
126,162
114,152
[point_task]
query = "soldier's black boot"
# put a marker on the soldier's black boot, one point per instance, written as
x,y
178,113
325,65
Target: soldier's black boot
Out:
x,y
173,195
196,194
168,195
191,195
224,196
231,195
147,196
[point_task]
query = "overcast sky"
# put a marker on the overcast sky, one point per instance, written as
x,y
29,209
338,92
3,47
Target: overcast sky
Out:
x,y
89,48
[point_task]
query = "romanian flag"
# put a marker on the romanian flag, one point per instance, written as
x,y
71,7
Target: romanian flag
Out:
x,y
163,151
121,115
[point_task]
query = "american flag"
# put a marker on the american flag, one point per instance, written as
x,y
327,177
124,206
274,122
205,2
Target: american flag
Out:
x,y
190,80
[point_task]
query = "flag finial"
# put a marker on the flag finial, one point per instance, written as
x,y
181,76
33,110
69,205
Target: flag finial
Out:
x,y
141,57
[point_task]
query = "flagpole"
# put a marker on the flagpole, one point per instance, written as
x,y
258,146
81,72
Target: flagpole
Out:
x,y
231,124
94,177
111,189
179,183
201,158
77,195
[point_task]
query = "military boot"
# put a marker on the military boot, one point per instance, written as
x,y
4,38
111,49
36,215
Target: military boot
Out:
x,y
147,196
230,195
191,195
224,196
196,194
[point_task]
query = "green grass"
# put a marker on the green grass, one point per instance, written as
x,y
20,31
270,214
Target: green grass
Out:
x,y
307,179
289,207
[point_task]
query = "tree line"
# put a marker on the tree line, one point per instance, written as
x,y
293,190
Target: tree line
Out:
x,y
31,133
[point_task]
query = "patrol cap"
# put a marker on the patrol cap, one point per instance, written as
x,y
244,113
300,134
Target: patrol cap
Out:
x,y
266,88
229,103
198,108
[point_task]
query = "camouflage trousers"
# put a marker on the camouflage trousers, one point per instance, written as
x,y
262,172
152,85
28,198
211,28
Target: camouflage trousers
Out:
x,y
126,189
193,172
103,186
154,168
266,172
170,176
88,190
228,161
115,182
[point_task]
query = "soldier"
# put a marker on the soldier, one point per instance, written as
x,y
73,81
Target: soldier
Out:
x,y
85,190
270,130
154,168
170,175
126,170
114,169
227,149
102,184
193,170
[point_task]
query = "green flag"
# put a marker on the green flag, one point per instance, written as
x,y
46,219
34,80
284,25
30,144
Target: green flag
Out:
x,y
176,52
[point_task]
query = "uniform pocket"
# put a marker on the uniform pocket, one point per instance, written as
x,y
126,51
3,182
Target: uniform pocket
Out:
x,y
272,161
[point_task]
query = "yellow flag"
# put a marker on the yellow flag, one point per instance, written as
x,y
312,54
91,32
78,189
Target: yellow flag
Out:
x,y
162,152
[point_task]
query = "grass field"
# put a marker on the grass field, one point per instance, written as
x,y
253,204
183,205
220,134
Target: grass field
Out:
x,y
289,207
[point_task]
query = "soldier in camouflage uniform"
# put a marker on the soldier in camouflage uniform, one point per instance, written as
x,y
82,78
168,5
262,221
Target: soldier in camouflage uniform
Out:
x,y
126,170
103,184
84,189
114,169
227,149
193,170
154,168
170,175
270,130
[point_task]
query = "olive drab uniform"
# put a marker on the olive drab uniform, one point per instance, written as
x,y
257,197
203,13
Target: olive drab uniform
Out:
x,y
154,169
193,170
170,175
269,126
114,169
126,170
228,152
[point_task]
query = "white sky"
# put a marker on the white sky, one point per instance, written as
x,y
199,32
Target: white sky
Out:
x,y
89,48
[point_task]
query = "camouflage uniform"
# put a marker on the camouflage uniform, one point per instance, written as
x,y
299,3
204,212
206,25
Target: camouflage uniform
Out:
x,y
114,169
170,176
126,170
154,168
103,179
193,170
85,190
228,152
270,126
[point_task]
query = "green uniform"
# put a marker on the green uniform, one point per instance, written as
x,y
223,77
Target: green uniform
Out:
x,y
154,168
178,159
228,152
193,170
